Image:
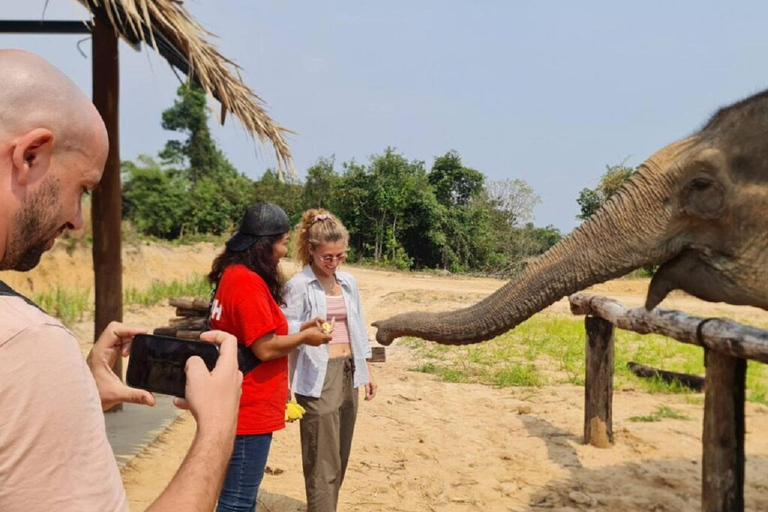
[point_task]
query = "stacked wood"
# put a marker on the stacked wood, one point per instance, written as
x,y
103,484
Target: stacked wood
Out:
x,y
189,322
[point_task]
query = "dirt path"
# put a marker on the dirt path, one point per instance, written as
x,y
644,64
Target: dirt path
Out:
x,y
424,445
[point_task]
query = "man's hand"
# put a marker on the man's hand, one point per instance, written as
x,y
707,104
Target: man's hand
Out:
x,y
214,397
115,341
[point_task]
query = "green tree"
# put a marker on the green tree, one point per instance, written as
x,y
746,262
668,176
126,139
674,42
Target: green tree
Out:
x,y
454,184
591,200
373,199
154,199
196,189
320,183
466,221
286,194
198,151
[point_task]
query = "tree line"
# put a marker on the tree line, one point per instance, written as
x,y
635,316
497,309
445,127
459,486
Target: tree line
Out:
x,y
399,212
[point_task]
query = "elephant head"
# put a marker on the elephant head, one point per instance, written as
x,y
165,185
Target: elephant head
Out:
x,y
698,208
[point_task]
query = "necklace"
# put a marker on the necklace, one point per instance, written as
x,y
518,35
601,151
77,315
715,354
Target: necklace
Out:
x,y
329,289
324,280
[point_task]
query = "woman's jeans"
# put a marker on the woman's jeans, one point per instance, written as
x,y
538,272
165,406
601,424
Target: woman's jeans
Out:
x,y
246,469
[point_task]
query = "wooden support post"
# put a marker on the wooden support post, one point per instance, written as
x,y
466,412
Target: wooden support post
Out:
x,y
106,206
598,400
723,462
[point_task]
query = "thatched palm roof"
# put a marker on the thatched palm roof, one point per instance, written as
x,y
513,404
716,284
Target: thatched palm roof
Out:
x,y
169,27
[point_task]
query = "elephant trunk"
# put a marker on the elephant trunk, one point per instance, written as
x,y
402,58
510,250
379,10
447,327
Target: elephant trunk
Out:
x,y
627,233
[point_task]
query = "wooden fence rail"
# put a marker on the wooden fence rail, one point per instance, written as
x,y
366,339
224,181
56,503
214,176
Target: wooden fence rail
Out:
x,y
727,346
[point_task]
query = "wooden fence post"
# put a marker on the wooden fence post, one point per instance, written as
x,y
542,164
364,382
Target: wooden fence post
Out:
x,y
722,476
106,205
598,399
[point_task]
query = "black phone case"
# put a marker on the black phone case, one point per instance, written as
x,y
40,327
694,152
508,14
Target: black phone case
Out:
x,y
140,369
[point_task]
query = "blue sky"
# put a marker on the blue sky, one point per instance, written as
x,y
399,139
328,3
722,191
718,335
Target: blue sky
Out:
x,y
548,92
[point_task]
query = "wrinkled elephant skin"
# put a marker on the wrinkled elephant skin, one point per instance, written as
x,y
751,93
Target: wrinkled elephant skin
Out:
x,y
698,208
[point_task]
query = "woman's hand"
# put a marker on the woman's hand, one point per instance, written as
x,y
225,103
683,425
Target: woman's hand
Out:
x,y
315,336
312,323
371,388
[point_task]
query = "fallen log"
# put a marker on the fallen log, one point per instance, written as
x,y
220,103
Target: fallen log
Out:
x,y
191,313
693,382
188,334
196,304
187,323
165,331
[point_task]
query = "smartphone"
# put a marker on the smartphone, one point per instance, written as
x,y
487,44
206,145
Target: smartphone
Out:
x,y
157,362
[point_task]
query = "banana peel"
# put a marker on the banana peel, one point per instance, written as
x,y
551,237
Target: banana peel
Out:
x,y
293,411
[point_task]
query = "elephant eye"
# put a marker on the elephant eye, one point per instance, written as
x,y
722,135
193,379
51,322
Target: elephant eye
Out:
x,y
701,184
704,198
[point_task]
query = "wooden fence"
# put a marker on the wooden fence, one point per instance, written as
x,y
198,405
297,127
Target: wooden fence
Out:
x,y
727,346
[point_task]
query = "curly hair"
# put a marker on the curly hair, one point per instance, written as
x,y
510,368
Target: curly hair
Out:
x,y
259,258
317,226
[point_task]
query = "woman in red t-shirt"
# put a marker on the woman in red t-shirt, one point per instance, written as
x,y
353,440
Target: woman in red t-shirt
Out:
x,y
246,304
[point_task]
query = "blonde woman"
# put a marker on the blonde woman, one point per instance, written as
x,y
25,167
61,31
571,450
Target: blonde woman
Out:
x,y
325,379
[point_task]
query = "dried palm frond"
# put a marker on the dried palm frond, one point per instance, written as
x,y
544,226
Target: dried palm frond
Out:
x,y
171,30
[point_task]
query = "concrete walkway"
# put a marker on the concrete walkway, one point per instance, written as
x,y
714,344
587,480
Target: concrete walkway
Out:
x,y
129,431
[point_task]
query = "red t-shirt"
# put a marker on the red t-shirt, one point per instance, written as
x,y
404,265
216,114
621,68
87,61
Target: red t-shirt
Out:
x,y
244,307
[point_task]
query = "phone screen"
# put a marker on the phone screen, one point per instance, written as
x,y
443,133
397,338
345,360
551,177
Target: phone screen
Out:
x,y
157,363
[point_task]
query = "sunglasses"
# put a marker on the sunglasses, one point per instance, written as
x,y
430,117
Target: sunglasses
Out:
x,y
329,258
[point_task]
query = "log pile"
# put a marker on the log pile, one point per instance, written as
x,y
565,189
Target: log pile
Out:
x,y
189,322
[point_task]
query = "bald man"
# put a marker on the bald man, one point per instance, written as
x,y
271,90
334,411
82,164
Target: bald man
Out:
x,y
54,454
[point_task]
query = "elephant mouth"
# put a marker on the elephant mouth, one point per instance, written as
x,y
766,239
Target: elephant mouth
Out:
x,y
707,275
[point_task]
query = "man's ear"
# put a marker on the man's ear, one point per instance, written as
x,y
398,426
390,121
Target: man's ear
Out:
x,y
32,155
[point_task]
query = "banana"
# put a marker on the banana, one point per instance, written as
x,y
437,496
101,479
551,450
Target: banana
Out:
x,y
328,327
293,411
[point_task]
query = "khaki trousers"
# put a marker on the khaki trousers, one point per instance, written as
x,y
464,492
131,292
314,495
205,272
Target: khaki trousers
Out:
x,y
326,435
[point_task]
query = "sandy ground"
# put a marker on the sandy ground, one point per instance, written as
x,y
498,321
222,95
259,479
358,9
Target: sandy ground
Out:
x,y
424,445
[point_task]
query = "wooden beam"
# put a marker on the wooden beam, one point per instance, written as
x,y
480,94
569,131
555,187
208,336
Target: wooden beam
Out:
x,y
106,207
598,384
44,27
719,334
722,480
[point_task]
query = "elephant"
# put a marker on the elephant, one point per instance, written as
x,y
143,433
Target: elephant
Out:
x,y
698,208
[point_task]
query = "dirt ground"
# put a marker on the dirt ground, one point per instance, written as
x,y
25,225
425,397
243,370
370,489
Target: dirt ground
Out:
x,y
424,445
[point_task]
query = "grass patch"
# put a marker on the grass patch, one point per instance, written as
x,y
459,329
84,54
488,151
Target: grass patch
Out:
x,y
662,412
196,286
549,350
66,305
71,305
517,375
